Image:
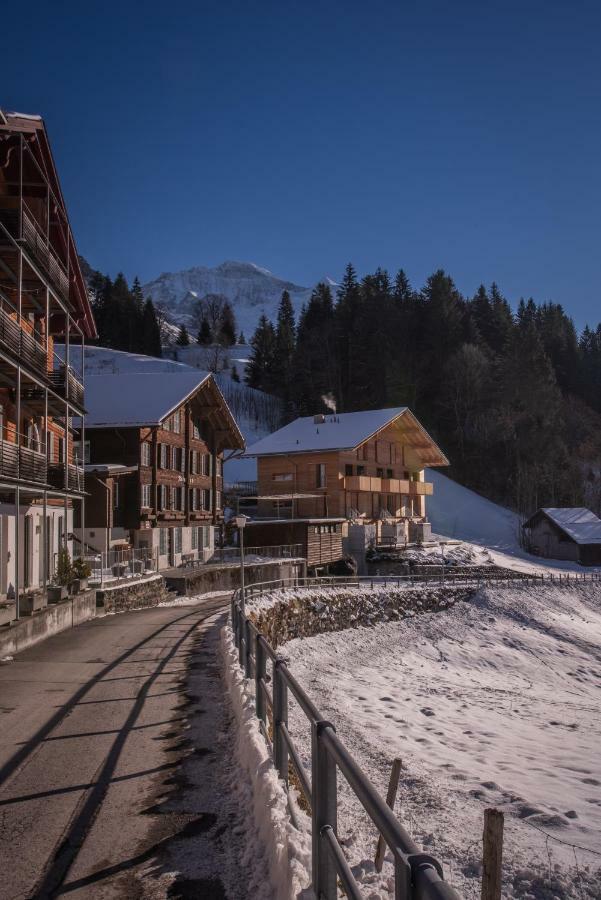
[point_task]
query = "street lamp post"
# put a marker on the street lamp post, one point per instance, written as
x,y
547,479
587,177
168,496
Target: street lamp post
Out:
x,y
240,522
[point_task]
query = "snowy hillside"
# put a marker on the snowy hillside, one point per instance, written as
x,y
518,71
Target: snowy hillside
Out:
x,y
250,289
457,512
492,702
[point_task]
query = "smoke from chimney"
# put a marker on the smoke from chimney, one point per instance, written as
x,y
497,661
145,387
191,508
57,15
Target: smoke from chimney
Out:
x,y
329,401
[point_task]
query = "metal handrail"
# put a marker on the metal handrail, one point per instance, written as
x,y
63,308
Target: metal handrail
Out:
x,y
418,876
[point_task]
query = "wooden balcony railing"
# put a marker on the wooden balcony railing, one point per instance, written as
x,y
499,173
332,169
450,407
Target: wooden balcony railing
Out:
x,y
387,485
20,463
19,343
71,480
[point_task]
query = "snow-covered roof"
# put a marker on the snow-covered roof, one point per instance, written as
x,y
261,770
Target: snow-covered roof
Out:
x,y
137,399
340,431
579,523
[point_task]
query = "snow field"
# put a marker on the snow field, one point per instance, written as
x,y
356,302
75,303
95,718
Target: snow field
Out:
x,y
493,702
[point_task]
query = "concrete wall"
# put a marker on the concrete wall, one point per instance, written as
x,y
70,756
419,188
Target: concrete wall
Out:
x,y
227,577
46,622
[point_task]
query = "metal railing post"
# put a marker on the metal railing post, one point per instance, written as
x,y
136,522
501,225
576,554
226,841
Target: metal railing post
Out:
x,y
324,812
280,717
247,649
241,635
260,673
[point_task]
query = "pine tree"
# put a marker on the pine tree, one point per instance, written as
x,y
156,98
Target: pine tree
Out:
x,y
205,336
241,338
151,332
182,339
285,343
260,368
227,327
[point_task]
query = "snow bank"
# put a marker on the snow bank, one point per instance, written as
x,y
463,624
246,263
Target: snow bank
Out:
x,y
288,849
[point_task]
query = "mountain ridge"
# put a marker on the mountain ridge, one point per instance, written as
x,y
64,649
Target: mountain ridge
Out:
x,y
252,291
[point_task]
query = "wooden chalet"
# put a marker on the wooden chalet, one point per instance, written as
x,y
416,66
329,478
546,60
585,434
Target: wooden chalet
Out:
x,y
154,453
572,533
361,466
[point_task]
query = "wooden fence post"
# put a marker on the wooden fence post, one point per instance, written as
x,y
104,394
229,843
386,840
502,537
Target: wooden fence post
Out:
x,y
393,786
492,840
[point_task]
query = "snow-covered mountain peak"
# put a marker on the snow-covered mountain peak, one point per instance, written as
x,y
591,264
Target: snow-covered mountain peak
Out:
x,y
251,290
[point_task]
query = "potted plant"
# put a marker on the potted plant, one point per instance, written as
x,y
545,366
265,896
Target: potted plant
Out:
x,y
62,577
80,571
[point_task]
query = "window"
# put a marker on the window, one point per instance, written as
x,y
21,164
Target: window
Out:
x,y
163,456
194,538
196,430
320,475
116,494
61,450
206,464
146,496
162,541
283,476
348,469
217,499
176,420
379,473
206,500
177,540
145,454
167,425
182,460
50,446
360,470
362,451
77,451
389,473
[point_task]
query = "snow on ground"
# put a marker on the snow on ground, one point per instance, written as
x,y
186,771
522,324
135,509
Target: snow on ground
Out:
x,y
494,702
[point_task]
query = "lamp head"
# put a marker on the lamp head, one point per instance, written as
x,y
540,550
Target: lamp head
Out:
x,y
240,521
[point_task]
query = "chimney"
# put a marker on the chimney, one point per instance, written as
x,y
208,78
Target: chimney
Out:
x,y
319,419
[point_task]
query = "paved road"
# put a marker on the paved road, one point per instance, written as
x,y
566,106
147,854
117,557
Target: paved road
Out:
x,y
89,727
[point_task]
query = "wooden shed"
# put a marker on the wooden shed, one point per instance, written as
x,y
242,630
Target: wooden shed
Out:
x,y
572,533
320,539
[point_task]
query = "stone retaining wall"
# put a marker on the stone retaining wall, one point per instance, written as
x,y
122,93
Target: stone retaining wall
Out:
x,y
307,613
126,596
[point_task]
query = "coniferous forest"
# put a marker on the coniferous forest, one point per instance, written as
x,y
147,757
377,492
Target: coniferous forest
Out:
x,y
513,399
125,320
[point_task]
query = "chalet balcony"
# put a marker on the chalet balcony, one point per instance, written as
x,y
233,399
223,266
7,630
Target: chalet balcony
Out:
x,y
72,480
65,382
26,230
363,483
369,484
22,463
22,345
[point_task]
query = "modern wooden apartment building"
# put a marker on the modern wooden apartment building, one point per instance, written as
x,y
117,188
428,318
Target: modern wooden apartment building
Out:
x,y
154,453
42,298
366,466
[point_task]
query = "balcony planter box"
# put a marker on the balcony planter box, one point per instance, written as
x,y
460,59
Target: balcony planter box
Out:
x,y
78,585
30,603
56,593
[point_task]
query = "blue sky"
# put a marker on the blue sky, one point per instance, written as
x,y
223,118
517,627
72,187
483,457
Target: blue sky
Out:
x,y
302,135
